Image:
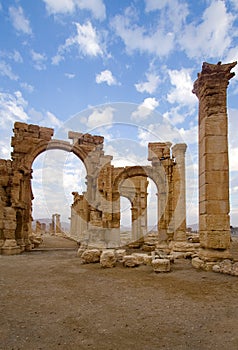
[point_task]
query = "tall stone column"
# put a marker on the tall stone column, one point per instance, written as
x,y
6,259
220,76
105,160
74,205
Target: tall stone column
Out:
x,y
214,219
179,178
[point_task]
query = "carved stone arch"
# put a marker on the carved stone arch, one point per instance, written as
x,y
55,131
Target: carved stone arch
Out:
x,y
44,146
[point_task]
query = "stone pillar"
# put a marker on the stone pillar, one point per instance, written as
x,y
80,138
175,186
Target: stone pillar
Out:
x,y
57,223
214,220
179,182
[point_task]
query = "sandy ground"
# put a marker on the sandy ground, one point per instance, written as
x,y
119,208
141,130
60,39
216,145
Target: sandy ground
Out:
x,y
50,301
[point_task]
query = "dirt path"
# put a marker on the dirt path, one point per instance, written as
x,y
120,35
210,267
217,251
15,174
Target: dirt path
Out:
x,y
50,301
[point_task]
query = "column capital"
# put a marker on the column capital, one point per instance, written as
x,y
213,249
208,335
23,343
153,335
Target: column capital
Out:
x,y
211,73
179,149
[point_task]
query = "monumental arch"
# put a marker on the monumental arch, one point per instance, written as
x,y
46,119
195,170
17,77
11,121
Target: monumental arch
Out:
x,y
95,217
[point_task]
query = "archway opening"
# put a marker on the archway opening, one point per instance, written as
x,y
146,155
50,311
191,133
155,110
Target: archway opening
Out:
x,y
125,220
56,174
152,207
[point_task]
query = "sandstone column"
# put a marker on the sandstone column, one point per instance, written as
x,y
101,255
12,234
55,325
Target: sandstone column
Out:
x,y
214,220
179,194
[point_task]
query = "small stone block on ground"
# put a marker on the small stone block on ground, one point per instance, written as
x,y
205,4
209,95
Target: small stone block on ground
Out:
x,y
108,259
161,265
91,256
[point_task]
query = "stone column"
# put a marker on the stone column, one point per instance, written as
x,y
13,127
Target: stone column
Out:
x,y
214,220
179,178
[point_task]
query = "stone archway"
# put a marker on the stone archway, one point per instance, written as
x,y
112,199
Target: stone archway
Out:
x,y
97,211
28,142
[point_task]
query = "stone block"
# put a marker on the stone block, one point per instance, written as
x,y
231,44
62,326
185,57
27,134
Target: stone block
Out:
x,y
211,162
214,255
120,253
215,239
130,261
214,177
216,125
226,266
216,222
91,256
143,259
214,207
197,263
108,258
214,192
161,265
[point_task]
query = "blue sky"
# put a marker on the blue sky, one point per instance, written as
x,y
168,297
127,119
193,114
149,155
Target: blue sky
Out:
x,y
121,69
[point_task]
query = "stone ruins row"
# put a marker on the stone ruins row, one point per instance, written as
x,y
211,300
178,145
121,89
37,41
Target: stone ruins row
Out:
x,y
95,218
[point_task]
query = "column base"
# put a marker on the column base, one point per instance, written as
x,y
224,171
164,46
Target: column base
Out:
x,y
10,247
207,258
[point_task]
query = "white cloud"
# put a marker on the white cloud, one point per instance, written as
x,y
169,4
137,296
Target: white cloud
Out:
x,y
145,109
174,11
87,40
174,115
15,56
6,70
100,117
150,85
47,118
69,75
12,108
19,21
165,131
59,6
106,77
182,93
211,37
96,7
137,38
38,60
28,87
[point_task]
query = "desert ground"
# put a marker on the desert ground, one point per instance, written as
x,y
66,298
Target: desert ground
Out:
x,y
49,300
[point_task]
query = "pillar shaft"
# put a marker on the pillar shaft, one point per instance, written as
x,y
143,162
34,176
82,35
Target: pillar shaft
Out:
x,y
179,178
214,219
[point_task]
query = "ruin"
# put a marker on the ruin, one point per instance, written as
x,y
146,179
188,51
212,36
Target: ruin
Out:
x,y
95,218
95,214
214,220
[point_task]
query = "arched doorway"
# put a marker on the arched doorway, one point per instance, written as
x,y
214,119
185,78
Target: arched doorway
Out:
x,y
56,174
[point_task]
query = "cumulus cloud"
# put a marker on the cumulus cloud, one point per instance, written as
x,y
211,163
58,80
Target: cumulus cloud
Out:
x,y
175,116
19,21
12,108
182,92
106,77
212,36
138,38
100,117
174,11
47,118
145,109
96,7
150,85
6,71
38,60
87,40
